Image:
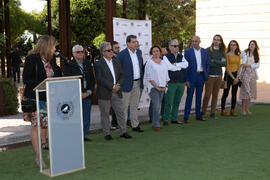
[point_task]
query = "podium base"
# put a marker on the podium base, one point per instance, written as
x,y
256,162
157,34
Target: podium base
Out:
x,y
47,172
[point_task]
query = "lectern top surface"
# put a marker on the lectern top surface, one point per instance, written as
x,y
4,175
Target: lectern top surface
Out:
x,y
42,85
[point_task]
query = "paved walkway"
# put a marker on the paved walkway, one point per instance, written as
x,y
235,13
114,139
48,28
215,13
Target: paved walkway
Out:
x,y
14,130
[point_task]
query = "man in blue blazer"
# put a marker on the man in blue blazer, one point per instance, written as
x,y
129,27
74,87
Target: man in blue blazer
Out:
x,y
132,64
196,74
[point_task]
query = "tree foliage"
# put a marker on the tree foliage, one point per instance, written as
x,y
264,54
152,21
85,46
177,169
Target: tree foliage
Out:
x,y
24,43
87,20
2,39
99,40
21,21
171,19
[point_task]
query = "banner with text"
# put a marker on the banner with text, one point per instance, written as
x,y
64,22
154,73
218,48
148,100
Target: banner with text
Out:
x,y
143,30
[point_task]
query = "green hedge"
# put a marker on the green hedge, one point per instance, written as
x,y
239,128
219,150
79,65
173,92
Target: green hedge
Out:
x,y
10,94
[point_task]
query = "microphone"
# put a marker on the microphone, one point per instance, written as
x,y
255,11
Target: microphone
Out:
x,y
64,59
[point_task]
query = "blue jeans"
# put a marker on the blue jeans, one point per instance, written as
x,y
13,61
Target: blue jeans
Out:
x,y
156,99
86,103
161,109
16,71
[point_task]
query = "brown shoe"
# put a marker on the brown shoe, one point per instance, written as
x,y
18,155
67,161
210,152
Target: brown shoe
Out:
x,y
223,113
232,113
156,128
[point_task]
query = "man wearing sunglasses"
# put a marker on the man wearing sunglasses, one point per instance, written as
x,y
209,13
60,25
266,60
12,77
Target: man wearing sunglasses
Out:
x,y
110,77
132,64
79,66
176,84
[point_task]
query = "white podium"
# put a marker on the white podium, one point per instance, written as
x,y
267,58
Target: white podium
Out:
x,y
65,125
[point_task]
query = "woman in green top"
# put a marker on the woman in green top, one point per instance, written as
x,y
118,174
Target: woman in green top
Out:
x,y
217,60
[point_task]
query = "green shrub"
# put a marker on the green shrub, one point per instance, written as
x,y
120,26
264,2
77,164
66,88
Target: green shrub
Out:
x,y
10,95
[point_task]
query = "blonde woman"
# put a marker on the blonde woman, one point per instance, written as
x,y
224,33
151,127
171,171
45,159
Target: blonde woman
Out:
x,y
39,65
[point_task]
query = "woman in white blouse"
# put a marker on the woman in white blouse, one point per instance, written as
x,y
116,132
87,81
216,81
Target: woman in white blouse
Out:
x,y
248,75
156,78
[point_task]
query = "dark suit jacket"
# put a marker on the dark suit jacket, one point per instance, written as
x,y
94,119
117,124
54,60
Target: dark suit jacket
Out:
x,y
32,76
105,79
191,71
127,66
73,69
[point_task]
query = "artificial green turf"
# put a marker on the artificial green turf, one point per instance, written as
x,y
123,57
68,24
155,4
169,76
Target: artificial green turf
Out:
x,y
229,148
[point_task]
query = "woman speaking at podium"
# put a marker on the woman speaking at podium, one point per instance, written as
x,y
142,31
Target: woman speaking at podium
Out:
x,y
39,65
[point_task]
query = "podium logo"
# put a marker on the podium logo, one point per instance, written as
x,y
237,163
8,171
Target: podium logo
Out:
x,y
65,110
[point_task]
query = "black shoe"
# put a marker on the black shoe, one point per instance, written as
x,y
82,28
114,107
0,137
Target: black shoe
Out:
x,y
176,122
200,119
137,129
87,140
165,123
186,121
126,136
108,137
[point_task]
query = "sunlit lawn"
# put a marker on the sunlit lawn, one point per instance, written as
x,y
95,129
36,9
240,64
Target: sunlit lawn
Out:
x,y
228,148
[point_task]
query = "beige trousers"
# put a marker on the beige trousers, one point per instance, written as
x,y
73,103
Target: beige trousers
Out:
x,y
132,99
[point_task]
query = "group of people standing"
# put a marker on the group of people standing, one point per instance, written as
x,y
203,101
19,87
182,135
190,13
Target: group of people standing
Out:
x,y
121,76
200,69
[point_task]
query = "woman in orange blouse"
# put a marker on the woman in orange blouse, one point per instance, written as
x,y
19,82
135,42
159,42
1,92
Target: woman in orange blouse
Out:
x,y
232,76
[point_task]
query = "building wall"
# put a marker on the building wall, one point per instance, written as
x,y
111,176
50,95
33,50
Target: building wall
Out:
x,y
242,20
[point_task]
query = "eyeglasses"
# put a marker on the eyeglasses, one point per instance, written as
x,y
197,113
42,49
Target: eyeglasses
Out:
x,y
109,50
78,52
216,39
175,46
233,45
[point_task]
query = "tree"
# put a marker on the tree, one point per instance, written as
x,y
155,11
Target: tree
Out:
x,y
87,19
98,40
2,42
21,21
171,19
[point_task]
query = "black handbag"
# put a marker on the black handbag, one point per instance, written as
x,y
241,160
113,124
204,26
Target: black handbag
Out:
x,y
27,104
240,78
239,83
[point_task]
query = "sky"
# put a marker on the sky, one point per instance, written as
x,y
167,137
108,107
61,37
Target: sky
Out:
x,y
30,5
